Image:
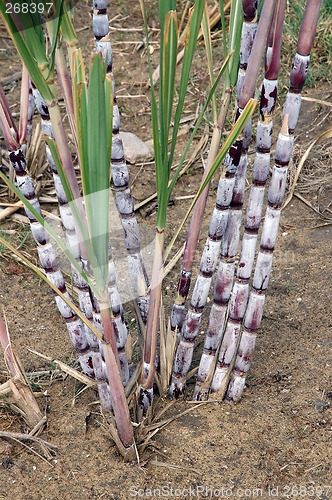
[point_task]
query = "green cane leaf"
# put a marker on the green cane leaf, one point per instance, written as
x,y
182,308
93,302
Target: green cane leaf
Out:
x,y
208,50
200,117
67,28
231,138
26,54
79,90
97,171
235,30
154,110
80,224
109,100
190,46
55,24
167,80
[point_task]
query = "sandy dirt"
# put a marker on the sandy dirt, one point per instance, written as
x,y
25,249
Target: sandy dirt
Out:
x,y
277,441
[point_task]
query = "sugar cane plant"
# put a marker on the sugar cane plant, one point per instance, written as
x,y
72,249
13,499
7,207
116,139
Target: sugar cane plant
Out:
x,y
93,248
161,125
283,154
119,170
16,144
230,307
260,173
218,125
230,196
93,139
50,50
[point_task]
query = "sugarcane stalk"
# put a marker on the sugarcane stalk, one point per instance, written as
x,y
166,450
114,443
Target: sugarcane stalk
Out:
x,y
161,125
218,222
283,155
263,268
66,87
26,109
240,292
31,111
66,215
52,127
119,405
106,314
232,46
42,72
91,308
125,204
119,171
119,325
178,309
301,62
239,297
249,29
236,166
208,265
45,249
232,234
236,162
150,344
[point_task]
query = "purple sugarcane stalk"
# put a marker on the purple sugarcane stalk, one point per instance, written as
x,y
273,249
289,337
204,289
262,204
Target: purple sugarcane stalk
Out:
x,y
150,345
249,29
178,310
232,235
208,265
120,173
25,107
276,194
301,62
240,292
121,334
67,217
31,110
262,273
45,249
84,294
236,164
251,55
77,249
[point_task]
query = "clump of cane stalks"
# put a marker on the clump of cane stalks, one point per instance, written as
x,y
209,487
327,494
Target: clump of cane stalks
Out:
x,y
97,328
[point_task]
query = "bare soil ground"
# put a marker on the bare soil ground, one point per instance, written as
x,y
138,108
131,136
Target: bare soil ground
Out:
x,y
277,441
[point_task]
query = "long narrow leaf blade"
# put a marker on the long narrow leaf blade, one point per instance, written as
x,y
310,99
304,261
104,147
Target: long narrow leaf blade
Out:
x,y
190,46
208,50
26,55
167,81
81,226
236,21
97,171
